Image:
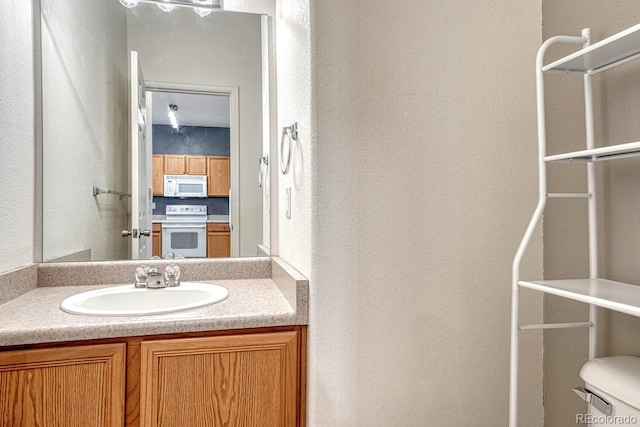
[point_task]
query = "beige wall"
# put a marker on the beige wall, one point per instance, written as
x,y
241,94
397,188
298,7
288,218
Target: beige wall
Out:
x,y
424,178
565,239
17,141
85,139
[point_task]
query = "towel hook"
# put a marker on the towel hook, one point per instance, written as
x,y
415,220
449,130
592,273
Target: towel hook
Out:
x,y
292,133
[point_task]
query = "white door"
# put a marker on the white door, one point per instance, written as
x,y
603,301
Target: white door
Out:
x,y
141,193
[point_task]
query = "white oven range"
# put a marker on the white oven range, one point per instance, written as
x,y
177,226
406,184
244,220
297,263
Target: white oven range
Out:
x,y
184,231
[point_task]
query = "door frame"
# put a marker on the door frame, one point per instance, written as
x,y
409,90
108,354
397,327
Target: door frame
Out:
x,y
234,136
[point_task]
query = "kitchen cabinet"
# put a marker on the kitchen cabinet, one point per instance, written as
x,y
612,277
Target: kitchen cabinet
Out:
x,y
218,176
184,165
218,240
157,174
196,165
237,380
250,377
156,239
174,165
77,386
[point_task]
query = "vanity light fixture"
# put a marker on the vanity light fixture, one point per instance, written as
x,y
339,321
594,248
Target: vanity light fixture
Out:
x,y
201,7
173,109
202,11
166,6
129,3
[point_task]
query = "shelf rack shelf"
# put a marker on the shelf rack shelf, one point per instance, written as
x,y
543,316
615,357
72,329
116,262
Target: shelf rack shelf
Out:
x,y
618,296
612,51
630,149
597,292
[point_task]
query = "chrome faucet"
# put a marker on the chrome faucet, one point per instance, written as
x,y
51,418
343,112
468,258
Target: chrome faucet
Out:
x,y
153,277
156,279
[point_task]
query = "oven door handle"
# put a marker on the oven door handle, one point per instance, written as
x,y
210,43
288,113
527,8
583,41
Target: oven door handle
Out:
x,y
184,226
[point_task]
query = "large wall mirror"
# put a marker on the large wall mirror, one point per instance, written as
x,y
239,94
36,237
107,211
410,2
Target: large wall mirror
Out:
x,y
179,151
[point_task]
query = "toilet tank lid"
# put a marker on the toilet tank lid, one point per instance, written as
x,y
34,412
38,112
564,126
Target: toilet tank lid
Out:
x,y
618,376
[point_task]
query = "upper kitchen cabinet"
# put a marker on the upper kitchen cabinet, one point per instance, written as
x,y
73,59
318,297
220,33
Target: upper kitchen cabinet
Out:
x,y
174,165
184,165
157,174
196,165
218,176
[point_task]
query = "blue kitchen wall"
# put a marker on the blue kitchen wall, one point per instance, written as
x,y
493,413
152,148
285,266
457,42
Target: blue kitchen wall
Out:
x,y
191,141
215,205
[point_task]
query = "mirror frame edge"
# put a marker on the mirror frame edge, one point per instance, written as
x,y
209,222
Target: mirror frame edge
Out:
x,y
38,247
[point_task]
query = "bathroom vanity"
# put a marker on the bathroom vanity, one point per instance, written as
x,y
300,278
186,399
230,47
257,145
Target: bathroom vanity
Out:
x,y
237,362
242,377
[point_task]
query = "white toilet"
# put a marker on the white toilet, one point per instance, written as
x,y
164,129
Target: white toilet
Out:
x,y
612,388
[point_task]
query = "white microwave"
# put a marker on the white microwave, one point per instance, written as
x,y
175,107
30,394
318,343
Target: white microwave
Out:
x,y
185,186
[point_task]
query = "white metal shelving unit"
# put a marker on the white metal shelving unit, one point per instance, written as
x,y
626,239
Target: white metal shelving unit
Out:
x,y
595,291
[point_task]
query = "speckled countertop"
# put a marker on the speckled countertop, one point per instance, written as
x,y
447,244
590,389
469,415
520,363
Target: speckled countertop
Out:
x,y
35,316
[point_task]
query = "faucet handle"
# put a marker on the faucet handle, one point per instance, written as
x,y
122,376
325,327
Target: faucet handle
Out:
x,y
172,275
142,276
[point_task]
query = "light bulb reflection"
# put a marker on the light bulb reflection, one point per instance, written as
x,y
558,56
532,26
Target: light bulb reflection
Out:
x,y
166,7
129,3
202,11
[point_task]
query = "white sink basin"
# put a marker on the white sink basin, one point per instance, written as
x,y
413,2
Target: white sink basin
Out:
x,y
128,300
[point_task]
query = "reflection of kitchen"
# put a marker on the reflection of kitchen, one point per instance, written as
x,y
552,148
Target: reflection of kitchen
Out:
x,y
191,175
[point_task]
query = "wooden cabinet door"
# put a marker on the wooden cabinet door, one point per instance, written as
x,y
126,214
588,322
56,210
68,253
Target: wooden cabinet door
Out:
x,y
218,176
218,240
174,165
157,174
80,386
233,380
156,236
196,165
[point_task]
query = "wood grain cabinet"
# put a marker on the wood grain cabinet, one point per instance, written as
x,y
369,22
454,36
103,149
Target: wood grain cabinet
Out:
x,y
218,176
156,239
251,378
174,164
157,174
235,380
196,165
79,386
218,240
184,165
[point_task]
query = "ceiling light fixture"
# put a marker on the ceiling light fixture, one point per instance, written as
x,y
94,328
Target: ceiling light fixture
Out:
x,y
201,7
173,109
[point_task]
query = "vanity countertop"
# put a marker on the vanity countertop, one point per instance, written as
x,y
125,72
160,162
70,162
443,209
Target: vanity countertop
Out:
x,y
35,316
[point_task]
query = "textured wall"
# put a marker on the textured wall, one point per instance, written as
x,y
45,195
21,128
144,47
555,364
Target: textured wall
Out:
x,y
424,178
565,240
191,140
84,127
16,128
294,106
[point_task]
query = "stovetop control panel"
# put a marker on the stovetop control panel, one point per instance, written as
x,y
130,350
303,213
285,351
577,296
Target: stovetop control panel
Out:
x,y
186,210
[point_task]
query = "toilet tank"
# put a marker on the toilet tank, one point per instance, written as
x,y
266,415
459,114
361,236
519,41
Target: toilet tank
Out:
x,y
612,388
